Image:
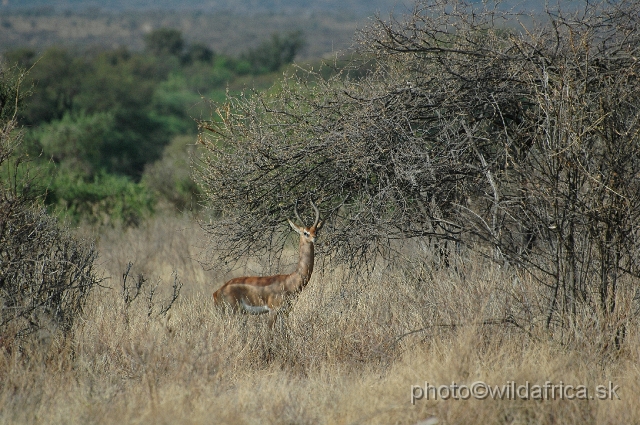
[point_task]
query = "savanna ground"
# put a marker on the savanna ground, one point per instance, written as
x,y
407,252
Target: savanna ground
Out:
x,y
344,353
541,294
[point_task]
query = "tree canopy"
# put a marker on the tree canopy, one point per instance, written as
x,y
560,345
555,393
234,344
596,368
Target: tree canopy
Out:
x,y
97,119
513,135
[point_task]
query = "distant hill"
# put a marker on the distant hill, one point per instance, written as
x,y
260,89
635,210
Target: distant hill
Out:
x,y
224,32
355,7
227,26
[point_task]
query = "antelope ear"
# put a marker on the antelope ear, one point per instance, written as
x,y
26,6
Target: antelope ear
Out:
x,y
319,225
294,227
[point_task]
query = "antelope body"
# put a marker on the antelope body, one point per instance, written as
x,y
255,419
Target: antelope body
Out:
x,y
267,294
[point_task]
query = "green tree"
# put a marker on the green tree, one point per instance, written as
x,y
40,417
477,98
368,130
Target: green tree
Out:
x,y
164,41
24,57
198,52
272,54
77,141
57,79
124,86
104,199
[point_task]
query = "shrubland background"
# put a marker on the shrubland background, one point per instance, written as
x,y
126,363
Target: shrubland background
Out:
x,y
98,121
456,249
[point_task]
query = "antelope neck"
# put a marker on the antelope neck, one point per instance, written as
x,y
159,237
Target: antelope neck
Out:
x,y
305,266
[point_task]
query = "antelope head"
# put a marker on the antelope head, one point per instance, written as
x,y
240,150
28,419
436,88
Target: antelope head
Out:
x,y
308,234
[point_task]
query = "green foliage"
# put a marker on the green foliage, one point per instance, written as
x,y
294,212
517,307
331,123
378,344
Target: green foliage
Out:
x,y
98,119
202,78
198,52
170,105
76,142
170,177
120,80
22,57
57,77
108,121
164,41
105,199
273,54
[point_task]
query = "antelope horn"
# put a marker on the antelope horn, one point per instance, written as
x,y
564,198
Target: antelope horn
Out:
x,y
295,211
315,223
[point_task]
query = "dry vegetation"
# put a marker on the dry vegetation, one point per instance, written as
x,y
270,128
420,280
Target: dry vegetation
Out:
x,y
342,355
557,308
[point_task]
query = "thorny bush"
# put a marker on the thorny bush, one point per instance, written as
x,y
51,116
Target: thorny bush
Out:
x,y
45,273
513,135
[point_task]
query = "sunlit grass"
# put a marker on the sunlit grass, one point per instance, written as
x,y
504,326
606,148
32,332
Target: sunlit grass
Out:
x,y
347,352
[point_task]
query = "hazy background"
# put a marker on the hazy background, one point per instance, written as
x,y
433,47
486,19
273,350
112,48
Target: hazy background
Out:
x,y
225,25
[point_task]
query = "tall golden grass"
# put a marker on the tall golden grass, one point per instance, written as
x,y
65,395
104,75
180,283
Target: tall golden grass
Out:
x,y
347,352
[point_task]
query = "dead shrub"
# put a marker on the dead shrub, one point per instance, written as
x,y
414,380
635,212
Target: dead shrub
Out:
x,y
45,273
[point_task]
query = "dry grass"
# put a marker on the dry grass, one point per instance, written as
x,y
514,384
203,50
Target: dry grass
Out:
x,y
337,357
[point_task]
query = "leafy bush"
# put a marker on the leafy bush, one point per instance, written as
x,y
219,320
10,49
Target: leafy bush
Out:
x,y
197,52
75,142
99,111
57,77
104,199
170,177
164,41
170,105
270,55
